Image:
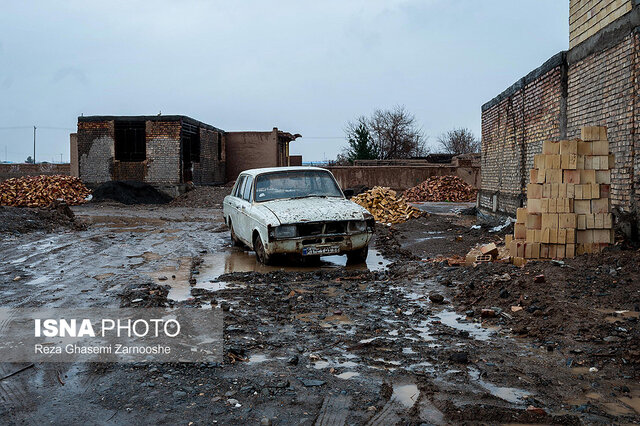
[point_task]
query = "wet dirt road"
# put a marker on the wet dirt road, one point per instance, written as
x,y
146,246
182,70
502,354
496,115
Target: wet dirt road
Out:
x,y
323,344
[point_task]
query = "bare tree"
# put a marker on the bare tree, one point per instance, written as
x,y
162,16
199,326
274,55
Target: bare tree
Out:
x,y
394,133
459,141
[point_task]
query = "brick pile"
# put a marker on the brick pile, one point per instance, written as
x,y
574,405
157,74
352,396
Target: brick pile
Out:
x,y
568,209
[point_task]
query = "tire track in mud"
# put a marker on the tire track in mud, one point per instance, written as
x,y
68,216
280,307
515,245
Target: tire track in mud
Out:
x,y
334,411
14,397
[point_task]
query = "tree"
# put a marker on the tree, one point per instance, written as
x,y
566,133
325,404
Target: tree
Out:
x,y
459,141
394,133
29,160
361,146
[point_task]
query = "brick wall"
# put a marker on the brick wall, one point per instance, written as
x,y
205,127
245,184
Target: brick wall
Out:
x,y
587,17
8,171
514,124
163,152
603,92
95,151
249,150
211,168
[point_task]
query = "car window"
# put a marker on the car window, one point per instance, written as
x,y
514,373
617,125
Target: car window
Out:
x,y
246,193
237,191
295,184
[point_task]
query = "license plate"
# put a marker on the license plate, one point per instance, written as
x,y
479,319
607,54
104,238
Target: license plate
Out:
x,y
311,251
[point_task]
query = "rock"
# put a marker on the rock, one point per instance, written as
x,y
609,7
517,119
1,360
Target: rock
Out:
x,y
469,313
539,278
162,278
179,394
459,357
488,313
265,422
436,298
593,370
504,293
225,306
536,410
233,401
293,360
311,382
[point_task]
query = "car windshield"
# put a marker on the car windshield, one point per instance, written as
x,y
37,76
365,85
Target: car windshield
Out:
x,y
295,184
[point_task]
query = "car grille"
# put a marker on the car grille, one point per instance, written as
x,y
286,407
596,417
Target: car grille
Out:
x,y
313,229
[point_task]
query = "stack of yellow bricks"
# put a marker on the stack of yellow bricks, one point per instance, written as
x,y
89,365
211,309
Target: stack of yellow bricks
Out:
x,y
568,210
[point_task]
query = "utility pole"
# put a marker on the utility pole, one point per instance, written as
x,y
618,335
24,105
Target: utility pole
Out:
x,y
60,158
34,144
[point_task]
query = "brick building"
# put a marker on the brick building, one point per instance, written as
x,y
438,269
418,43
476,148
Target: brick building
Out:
x,y
170,150
594,83
250,150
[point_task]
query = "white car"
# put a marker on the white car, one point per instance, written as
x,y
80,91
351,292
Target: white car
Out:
x,y
296,210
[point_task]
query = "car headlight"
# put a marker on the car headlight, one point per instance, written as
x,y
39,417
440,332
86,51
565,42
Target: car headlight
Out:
x,y
286,231
357,226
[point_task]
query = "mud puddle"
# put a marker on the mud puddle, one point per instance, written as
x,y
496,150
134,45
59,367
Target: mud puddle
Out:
x,y
512,395
183,276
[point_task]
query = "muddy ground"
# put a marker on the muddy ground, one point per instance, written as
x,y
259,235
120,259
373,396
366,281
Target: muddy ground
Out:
x,y
327,343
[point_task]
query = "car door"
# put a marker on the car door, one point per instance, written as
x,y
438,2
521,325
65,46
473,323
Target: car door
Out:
x,y
233,203
245,200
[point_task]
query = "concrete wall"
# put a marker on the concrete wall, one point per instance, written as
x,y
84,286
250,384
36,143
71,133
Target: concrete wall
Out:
x,y
250,150
8,171
587,17
399,177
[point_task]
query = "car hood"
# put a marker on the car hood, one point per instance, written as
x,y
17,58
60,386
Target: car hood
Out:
x,y
315,209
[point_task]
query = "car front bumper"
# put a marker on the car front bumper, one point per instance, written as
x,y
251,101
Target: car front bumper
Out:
x,y
339,244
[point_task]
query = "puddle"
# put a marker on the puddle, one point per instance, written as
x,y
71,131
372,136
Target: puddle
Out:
x,y
257,359
512,395
347,375
234,260
40,280
453,320
406,394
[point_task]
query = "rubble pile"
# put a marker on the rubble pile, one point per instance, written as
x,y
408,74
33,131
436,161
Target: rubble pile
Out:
x,y
568,209
42,191
442,188
385,205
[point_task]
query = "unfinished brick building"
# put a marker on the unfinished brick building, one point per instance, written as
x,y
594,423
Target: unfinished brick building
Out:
x,y
162,150
594,83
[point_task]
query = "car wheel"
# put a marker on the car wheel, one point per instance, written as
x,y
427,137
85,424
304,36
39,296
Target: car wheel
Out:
x,y
261,254
234,238
358,256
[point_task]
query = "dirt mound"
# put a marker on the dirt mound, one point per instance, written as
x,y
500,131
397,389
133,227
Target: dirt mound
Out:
x,y
18,220
202,196
442,188
587,307
130,192
41,191
386,206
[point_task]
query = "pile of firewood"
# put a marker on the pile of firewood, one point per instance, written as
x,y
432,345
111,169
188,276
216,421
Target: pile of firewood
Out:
x,y
386,206
442,188
42,191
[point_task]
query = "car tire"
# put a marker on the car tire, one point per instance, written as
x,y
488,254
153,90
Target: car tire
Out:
x,y
261,254
358,256
234,238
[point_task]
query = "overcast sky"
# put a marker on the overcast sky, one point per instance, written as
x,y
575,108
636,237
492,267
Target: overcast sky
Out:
x,y
302,66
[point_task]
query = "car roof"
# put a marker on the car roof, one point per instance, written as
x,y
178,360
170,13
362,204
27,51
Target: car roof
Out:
x,y
255,172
